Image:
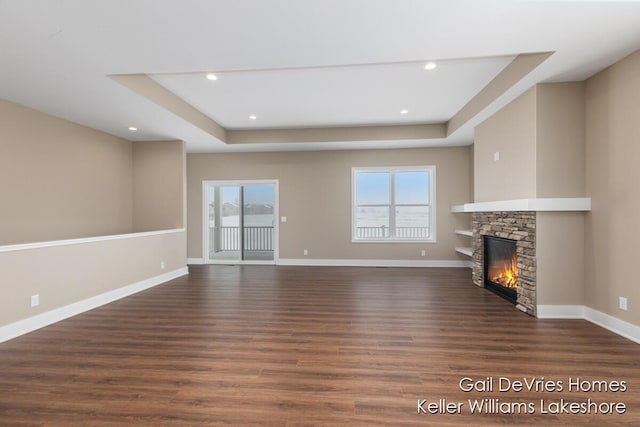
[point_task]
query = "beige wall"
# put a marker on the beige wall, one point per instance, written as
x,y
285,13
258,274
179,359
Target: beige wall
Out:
x,y
540,138
511,132
158,185
560,258
560,147
315,195
586,144
63,275
471,172
560,164
59,180
613,174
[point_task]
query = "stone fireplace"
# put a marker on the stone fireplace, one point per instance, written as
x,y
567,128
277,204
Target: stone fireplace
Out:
x,y
518,227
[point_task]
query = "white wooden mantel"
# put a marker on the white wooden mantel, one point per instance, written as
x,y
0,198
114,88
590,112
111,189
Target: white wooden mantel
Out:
x,y
537,205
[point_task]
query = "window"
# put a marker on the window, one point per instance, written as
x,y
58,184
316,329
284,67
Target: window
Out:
x,y
393,204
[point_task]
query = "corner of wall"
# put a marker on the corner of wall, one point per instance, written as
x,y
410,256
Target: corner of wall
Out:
x,y
612,173
158,185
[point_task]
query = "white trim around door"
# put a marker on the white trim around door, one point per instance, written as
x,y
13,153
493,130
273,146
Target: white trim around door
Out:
x,y
205,220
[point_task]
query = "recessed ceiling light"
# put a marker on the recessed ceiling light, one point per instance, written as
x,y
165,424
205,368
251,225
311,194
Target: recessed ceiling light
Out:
x,y
430,65
133,128
404,111
253,117
211,76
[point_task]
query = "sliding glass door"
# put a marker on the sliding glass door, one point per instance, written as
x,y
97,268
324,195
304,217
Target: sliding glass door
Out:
x,y
224,223
240,221
258,222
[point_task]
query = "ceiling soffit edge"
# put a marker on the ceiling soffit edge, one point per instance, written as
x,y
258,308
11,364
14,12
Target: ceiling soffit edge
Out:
x,y
521,65
148,88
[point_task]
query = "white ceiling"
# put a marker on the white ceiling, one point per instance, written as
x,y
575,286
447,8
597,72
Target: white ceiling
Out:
x,y
294,63
336,96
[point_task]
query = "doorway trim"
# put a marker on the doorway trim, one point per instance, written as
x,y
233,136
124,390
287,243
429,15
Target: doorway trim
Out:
x,y
276,221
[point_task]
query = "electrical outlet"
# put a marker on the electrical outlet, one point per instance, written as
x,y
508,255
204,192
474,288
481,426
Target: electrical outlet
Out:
x,y
283,219
305,252
622,303
423,253
496,156
35,300
162,265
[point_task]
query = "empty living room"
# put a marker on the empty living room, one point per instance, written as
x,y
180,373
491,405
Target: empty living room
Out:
x,y
319,213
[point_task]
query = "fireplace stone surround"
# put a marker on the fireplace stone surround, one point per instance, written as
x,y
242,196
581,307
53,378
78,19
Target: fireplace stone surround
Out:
x,y
515,225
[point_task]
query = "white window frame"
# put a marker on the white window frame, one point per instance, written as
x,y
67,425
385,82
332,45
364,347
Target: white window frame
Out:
x,y
431,169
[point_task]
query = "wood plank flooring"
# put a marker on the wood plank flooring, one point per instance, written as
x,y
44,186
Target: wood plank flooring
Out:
x,y
300,346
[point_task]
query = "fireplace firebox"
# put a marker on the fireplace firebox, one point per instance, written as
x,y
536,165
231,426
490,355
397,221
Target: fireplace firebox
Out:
x,y
501,267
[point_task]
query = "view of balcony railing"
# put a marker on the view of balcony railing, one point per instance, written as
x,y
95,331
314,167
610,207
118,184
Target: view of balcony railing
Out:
x,y
228,238
260,238
384,232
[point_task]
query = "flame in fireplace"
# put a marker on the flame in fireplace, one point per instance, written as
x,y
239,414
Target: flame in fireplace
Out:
x,y
505,274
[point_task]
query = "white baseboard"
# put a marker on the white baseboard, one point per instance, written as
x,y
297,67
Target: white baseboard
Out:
x,y
359,262
596,317
38,321
613,324
560,312
373,263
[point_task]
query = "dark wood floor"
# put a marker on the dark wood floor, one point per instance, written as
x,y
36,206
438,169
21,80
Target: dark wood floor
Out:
x,y
298,346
